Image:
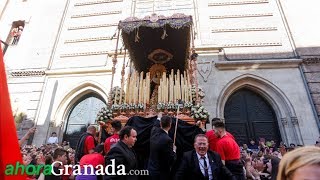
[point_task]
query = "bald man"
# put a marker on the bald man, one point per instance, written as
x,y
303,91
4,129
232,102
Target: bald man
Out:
x,y
86,143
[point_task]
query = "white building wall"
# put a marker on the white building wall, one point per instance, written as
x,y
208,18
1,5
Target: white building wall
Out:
x,y
66,39
302,20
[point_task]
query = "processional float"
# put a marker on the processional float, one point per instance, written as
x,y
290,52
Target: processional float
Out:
x,y
163,71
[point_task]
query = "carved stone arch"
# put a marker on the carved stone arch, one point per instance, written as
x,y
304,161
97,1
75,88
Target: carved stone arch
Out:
x,y
271,93
72,96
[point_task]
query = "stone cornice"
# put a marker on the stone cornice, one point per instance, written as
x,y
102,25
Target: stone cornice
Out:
x,y
83,54
73,71
258,64
241,16
313,60
96,2
238,3
244,29
208,49
26,73
92,26
89,39
263,44
96,14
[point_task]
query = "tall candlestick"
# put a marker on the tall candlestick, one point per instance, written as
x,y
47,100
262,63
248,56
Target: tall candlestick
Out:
x,y
182,88
167,90
159,92
116,94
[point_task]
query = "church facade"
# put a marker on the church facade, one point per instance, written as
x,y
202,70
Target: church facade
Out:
x,y
258,62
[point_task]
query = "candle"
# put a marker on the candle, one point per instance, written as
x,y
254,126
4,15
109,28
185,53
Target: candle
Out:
x,y
147,87
145,94
182,88
137,89
144,91
159,92
134,88
167,90
115,96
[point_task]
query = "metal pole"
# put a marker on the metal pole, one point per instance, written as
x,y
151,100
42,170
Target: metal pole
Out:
x,y
114,60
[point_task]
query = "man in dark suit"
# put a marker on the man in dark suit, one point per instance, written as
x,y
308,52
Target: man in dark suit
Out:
x,y
162,151
123,154
202,164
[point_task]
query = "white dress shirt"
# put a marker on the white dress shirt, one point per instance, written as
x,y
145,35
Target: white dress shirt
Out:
x,y
52,140
201,165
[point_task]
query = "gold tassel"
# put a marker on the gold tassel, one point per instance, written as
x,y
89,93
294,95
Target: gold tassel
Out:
x,y
164,35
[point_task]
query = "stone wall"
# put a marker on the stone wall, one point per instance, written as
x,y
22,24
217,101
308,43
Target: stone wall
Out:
x,y
311,69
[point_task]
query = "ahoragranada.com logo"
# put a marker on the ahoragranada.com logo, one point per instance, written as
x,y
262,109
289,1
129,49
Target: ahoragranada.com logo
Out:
x,y
110,169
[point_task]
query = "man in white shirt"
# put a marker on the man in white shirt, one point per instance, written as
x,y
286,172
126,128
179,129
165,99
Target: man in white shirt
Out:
x,y
202,164
53,139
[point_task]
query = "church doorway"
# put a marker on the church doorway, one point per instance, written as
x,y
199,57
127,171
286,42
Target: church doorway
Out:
x,y
250,116
82,114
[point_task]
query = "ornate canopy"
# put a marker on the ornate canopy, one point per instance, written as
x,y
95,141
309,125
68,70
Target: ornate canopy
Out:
x,y
157,40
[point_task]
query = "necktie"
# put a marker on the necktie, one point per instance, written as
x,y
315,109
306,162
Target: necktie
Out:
x,y
205,166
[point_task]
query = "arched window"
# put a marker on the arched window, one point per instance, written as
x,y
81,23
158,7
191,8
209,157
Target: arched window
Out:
x,y
82,114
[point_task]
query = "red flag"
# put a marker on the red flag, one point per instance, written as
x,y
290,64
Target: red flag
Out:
x,y
9,146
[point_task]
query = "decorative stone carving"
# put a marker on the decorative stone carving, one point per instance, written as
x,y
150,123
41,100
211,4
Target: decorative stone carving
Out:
x,y
284,121
294,121
311,60
27,73
205,70
52,123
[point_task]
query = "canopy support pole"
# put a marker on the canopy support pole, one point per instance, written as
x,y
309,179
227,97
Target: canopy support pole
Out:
x,y
114,61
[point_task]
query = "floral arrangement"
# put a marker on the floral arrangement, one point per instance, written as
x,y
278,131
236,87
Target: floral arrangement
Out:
x,y
124,106
199,112
132,106
115,107
200,93
140,106
188,105
171,106
115,95
161,106
105,114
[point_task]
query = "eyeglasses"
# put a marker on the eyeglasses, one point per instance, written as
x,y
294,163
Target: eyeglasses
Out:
x,y
202,144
